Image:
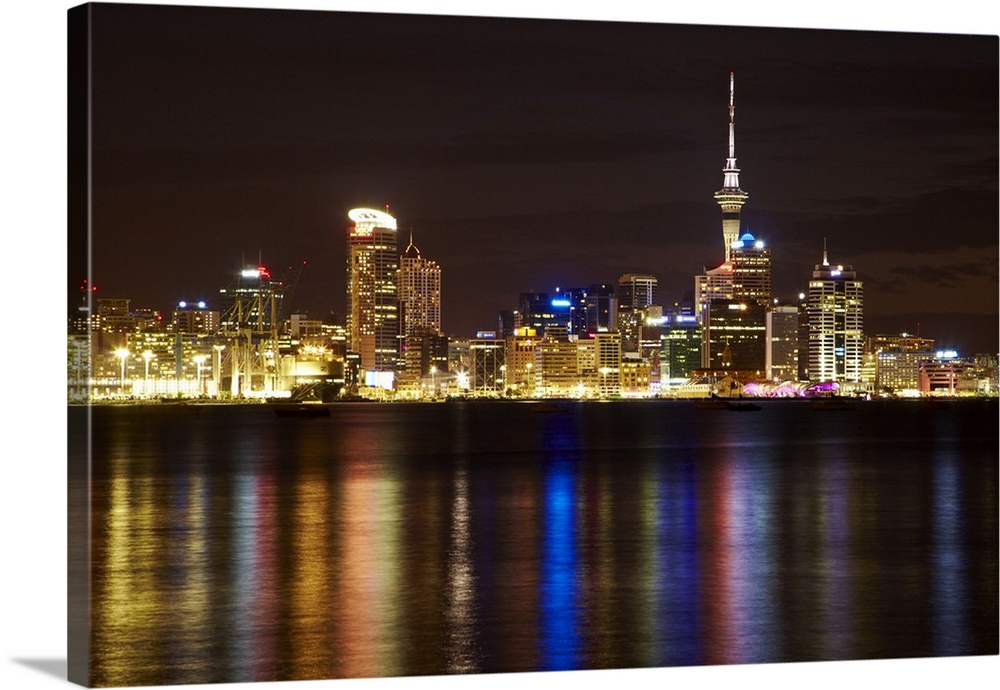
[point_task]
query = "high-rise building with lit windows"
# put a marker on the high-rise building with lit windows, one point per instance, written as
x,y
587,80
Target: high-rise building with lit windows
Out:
x,y
636,292
609,362
751,261
835,312
734,336
782,351
419,283
419,292
252,302
372,295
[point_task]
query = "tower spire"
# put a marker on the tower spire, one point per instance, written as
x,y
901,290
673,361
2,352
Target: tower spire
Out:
x,y
826,262
732,124
731,198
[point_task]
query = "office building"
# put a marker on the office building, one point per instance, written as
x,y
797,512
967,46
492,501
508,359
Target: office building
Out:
x,y
419,285
609,359
252,302
836,320
372,294
602,309
680,347
194,317
636,292
488,354
751,272
781,360
734,336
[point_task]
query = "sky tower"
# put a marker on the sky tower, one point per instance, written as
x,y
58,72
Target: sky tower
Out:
x,y
731,198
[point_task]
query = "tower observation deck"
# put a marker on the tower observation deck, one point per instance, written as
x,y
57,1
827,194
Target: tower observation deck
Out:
x,y
731,198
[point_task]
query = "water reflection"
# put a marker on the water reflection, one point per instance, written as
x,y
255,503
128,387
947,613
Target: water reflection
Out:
x,y
559,605
370,593
835,564
950,599
609,536
461,595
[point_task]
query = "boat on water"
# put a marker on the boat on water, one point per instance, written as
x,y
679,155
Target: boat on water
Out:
x,y
301,410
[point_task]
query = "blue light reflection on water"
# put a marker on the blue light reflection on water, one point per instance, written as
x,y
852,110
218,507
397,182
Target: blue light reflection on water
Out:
x,y
560,612
678,565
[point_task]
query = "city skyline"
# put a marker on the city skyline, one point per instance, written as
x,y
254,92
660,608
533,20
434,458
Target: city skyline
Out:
x,y
592,151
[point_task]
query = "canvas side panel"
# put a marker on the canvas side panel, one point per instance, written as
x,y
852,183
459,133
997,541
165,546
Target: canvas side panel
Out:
x,y
78,374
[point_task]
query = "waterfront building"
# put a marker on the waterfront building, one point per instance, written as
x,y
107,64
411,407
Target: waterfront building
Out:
x,y
731,198
157,364
488,355
460,355
372,294
680,339
836,318
556,369
947,374
586,365
734,336
520,361
897,370
635,376
609,357
781,359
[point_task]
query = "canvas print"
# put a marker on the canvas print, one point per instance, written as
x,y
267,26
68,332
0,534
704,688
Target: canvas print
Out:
x,y
415,345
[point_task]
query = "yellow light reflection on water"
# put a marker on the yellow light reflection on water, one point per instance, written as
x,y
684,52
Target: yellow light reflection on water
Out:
x,y
369,575
461,592
311,588
127,601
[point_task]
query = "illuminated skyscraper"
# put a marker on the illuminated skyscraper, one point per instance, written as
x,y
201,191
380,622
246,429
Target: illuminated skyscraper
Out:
x,y
635,293
372,296
751,269
782,353
835,313
734,336
731,198
419,292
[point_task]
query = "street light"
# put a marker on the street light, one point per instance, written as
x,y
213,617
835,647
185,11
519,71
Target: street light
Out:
x,y
122,354
433,383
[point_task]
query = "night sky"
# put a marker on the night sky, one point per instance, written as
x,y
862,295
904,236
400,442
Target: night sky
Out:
x,y
530,154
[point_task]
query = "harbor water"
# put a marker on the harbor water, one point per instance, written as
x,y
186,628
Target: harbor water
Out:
x,y
232,545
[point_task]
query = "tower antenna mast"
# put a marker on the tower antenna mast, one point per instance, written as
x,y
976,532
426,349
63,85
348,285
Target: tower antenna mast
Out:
x,y
731,198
